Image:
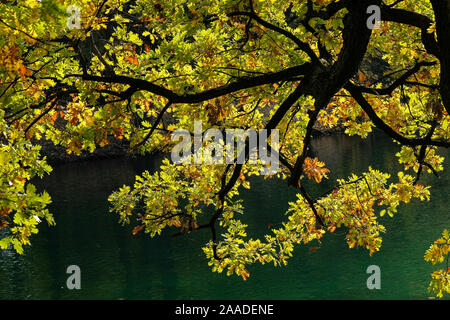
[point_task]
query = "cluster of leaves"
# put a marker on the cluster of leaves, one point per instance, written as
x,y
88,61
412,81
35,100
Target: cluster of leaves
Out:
x,y
21,207
437,253
172,197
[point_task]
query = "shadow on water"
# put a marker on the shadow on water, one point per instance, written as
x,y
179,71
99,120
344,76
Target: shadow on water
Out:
x,y
114,264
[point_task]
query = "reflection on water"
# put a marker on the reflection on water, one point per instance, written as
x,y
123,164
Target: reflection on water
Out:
x,y
114,264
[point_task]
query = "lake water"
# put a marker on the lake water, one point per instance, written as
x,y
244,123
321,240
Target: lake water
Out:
x,y
116,265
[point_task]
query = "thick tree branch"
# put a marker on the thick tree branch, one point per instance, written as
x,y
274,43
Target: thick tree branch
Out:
x,y
398,82
298,167
240,84
442,13
301,45
413,19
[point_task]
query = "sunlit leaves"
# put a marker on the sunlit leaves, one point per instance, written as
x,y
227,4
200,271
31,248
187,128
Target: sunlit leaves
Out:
x,y
409,157
314,169
22,208
172,197
438,253
353,205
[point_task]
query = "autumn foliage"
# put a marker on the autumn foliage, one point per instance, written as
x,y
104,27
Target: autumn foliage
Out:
x,y
138,70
